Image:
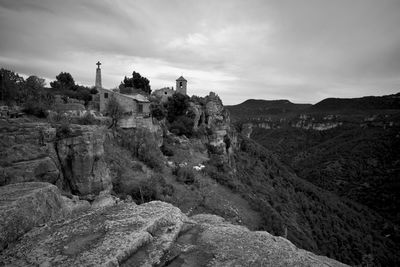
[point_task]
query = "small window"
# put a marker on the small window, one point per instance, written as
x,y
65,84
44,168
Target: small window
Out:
x,y
105,95
140,108
181,84
165,92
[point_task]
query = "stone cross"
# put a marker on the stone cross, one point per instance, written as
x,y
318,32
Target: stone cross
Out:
x,y
98,64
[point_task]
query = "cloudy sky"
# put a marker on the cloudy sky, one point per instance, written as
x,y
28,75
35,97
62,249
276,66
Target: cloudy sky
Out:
x,y
301,50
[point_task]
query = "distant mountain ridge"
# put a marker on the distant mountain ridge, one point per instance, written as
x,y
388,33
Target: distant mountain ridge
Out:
x,y
361,103
259,107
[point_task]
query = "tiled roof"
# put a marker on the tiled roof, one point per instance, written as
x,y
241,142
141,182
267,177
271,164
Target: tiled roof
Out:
x,y
181,79
137,97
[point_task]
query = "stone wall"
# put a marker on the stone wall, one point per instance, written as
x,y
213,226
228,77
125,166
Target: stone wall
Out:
x,y
164,93
130,105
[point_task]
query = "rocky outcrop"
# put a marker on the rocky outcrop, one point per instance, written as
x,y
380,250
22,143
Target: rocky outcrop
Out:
x,y
153,234
73,160
247,129
211,115
126,234
104,199
81,156
42,169
26,205
214,242
25,156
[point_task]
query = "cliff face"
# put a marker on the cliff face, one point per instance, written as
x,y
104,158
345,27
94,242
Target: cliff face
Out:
x,y
81,156
154,233
35,152
221,139
26,205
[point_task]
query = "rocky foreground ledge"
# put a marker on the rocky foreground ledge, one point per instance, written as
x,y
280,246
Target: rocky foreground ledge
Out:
x,y
126,234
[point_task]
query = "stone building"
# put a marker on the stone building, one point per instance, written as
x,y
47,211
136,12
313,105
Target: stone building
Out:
x,y
164,93
181,85
132,104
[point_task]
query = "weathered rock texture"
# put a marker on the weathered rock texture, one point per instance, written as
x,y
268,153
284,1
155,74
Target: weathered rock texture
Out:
x,y
214,242
26,205
153,234
106,237
221,138
35,152
25,155
81,155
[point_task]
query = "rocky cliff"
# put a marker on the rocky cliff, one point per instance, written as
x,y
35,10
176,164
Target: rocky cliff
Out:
x,y
221,138
151,234
71,157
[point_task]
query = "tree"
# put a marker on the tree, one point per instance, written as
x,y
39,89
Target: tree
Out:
x,y
34,87
177,105
157,111
10,87
114,110
137,82
37,100
63,80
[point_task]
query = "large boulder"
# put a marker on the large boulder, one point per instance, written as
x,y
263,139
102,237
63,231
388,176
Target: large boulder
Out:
x,y
81,156
214,242
24,156
42,169
26,205
153,234
125,234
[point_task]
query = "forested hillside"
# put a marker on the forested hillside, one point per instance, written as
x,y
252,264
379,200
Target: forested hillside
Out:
x,y
308,215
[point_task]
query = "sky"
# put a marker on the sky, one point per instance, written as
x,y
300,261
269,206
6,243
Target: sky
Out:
x,y
300,50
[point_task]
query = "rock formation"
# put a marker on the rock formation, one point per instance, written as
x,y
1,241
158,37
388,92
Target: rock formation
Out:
x,y
35,152
26,205
152,234
212,116
81,155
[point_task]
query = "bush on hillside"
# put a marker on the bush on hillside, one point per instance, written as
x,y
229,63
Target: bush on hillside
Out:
x,y
87,119
143,145
38,109
167,150
64,129
184,175
182,125
157,111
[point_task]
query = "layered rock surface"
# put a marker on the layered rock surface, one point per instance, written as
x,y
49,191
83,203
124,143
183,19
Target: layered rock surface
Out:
x,y
26,205
35,152
214,242
152,234
221,138
81,155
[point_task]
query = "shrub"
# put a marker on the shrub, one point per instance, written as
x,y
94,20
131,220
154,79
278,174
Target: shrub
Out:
x,y
38,109
64,129
56,117
184,174
143,145
87,119
182,125
157,111
167,150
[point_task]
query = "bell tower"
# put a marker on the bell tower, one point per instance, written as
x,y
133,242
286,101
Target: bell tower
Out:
x,y
98,75
181,85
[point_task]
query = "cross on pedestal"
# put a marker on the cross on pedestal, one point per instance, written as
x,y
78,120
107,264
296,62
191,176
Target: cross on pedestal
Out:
x,y
98,64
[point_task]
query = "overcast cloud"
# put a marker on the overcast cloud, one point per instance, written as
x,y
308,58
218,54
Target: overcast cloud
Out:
x,y
301,50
